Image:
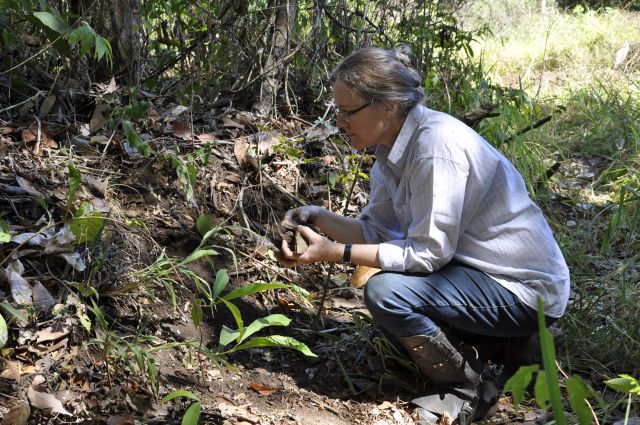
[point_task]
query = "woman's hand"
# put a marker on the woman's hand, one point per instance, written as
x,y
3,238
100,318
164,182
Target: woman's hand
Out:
x,y
304,215
319,249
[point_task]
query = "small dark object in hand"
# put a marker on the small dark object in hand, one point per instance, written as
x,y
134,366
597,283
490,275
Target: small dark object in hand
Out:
x,y
289,232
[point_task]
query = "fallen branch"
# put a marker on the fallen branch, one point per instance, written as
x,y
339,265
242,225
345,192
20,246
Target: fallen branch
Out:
x,y
533,126
34,98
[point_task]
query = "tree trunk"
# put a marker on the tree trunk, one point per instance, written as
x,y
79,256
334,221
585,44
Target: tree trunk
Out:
x,y
275,65
119,22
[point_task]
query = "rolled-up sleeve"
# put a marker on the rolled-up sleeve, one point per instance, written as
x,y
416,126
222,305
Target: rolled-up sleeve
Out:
x,y
378,220
436,198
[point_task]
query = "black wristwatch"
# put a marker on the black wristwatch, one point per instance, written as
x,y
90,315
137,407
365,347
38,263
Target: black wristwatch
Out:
x,y
346,257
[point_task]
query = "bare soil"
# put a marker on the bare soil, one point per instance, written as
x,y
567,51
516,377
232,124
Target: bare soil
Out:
x,y
101,382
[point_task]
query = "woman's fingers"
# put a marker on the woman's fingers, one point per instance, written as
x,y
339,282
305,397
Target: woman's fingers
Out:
x,y
286,251
286,257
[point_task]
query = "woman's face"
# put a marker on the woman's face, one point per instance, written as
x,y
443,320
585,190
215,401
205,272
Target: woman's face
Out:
x,y
366,123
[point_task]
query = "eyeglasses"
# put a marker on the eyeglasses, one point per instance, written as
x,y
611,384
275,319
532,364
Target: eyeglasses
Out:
x,y
347,115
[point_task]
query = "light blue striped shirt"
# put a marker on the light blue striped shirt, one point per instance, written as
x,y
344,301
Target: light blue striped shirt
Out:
x,y
442,192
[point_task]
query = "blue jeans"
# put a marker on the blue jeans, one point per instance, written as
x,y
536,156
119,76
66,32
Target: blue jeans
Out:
x,y
456,298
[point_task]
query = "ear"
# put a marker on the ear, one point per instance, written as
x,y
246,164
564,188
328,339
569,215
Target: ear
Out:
x,y
392,107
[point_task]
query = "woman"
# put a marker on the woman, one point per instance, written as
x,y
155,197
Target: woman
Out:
x,y
463,250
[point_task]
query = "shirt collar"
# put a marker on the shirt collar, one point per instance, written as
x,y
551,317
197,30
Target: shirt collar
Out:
x,y
395,156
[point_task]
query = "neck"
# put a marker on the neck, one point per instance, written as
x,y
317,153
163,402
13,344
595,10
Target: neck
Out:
x,y
392,132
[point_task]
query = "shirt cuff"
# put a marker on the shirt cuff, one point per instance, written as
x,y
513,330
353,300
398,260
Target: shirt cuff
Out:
x,y
391,256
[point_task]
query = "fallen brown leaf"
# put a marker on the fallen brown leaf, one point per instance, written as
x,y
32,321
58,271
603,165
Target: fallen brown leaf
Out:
x,y
207,137
240,150
112,87
121,420
385,405
182,130
99,186
30,135
17,415
47,104
43,400
263,389
362,275
20,289
26,185
98,120
11,370
5,142
227,122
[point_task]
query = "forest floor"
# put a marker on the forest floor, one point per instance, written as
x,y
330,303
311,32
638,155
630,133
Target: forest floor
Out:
x,y
71,371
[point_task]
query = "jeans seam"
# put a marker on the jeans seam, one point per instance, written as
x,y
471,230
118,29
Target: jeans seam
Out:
x,y
472,306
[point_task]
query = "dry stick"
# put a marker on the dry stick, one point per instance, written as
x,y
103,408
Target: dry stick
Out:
x,y
30,98
529,128
325,286
38,139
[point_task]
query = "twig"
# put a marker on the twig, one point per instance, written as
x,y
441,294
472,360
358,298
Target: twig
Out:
x,y
325,286
192,47
36,150
241,205
34,97
291,196
268,266
104,151
528,128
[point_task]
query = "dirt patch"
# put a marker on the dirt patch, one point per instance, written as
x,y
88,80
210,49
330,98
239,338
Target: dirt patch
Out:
x,y
120,333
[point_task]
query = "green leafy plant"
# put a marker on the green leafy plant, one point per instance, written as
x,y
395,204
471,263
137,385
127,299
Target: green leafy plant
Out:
x,y
74,185
13,312
187,172
625,384
87,225
4,333
172,273
57,27
5,236
547,385
138,359
134,139
192,414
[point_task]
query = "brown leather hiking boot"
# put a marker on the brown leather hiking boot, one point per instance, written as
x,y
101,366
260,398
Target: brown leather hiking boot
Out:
x,y
455,374
441,362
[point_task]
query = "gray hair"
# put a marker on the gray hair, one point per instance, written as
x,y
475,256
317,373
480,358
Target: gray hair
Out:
x,y
377,74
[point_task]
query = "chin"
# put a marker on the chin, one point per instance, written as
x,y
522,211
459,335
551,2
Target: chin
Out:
x,y
357,144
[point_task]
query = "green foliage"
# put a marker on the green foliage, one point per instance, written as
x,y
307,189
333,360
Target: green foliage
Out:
x,y
4,334
547,386
204,224
63,30
5,236
192,415
53,21
186,170
87,225
625,384
172,273
20,315
74,184
519,382
134,139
